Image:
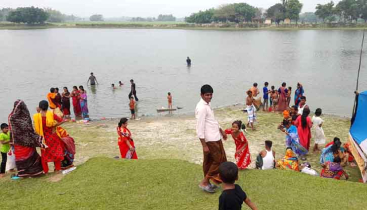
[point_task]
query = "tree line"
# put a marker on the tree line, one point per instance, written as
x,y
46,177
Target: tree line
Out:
x,y
243,12
34,15
345,10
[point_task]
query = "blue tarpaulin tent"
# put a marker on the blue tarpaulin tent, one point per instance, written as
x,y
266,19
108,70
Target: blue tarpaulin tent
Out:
x,y
358,134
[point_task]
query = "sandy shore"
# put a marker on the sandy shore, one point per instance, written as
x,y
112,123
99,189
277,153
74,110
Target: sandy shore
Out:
x,y
174,137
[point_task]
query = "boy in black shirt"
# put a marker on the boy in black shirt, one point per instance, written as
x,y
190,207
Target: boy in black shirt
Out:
x,y
232,196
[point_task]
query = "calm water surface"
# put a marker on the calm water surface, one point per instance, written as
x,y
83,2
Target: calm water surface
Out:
x,y
32,61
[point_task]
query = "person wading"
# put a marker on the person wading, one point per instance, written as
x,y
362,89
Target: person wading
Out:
x,y
133,90
210,135
92,79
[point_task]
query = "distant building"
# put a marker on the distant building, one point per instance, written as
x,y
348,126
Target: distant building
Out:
x,y
287,21
268,21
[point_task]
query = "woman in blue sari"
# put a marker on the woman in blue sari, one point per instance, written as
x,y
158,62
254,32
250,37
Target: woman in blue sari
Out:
x,y
84,104
298,94
331,151
292,139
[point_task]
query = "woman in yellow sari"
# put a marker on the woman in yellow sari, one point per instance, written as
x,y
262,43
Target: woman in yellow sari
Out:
x,y
45,124
289,162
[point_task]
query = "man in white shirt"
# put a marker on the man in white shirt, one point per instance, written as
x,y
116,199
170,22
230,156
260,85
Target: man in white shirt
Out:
x,y
210,135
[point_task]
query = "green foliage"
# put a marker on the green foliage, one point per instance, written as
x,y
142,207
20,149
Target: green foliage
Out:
x,y
348,9
4,12
55,16
201,17
308,17
363,9
166,18
96,17
326,11
276,12
237,12
293,8
29,15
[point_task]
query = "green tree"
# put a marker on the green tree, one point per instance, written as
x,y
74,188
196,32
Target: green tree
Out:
x,y
96,17
348,10
166,18
362,4
308,17
55,16
293,8
237,12
206,16
276,13
29,15
326,11
4,12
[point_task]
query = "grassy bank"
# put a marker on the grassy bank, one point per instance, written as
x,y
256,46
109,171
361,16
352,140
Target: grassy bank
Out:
x,y
179,25
174,137
104,183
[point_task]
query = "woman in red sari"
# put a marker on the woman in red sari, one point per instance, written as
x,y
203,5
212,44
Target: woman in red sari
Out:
x,y
304,124
282,103
243,156
76,101
25,141
125,142
45,123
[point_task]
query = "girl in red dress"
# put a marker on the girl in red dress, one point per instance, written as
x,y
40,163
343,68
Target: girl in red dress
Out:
x,y
243,156
125,142
45,124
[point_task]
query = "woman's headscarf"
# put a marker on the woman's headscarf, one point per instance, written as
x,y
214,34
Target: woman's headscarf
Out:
x,y
21,128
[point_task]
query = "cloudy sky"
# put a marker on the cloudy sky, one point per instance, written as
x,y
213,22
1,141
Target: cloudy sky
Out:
x,y
143,8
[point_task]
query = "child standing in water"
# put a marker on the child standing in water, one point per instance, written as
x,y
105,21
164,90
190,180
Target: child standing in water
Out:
x,y
169,98
242,156
132,107
319,132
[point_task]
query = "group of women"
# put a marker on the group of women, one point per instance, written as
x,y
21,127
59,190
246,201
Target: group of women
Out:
x,y
62,101
55,143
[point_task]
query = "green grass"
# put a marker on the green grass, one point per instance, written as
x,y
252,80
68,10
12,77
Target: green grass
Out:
x,y
104,183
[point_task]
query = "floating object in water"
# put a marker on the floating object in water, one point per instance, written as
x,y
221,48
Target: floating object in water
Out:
x,y
166,110
179,107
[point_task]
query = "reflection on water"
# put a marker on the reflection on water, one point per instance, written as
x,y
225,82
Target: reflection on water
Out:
x,y
326,62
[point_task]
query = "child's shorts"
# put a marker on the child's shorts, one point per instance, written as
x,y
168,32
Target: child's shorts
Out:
x,y
132,111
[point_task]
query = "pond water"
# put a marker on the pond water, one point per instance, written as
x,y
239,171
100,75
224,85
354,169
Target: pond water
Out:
x,y
32,61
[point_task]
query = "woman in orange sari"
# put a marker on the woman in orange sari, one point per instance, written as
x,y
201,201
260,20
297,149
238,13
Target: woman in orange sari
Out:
x,y
45,124
243,156
289,162
125,142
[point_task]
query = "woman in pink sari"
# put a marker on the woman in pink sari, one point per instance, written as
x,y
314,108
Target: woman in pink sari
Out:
x,y
282,103
304,125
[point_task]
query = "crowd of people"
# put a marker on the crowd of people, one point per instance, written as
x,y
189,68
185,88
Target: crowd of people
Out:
x,y
62,101
296,125
21,137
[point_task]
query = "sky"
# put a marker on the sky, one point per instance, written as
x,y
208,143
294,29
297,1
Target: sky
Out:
x,y
143,8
